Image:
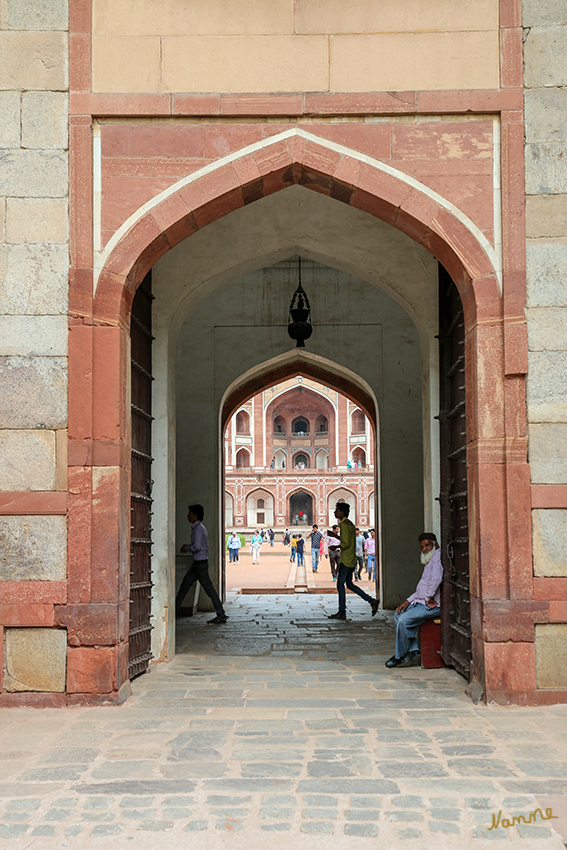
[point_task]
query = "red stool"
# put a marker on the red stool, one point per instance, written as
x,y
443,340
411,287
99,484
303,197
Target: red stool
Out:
x,y
430,643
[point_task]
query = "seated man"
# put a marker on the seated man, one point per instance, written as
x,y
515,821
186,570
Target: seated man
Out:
x,y
424,604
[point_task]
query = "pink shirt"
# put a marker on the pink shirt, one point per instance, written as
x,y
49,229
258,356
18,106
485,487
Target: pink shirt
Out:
x,y
370,546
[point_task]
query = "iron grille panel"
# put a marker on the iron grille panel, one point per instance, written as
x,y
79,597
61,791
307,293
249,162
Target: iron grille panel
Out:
x,y
456,646
141,482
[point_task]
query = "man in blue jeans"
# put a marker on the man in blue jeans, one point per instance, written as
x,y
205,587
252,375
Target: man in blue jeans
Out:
x,y
348,563
315,538
424,604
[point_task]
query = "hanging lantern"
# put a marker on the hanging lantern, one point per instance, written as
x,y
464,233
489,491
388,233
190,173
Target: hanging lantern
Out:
x,y
299,327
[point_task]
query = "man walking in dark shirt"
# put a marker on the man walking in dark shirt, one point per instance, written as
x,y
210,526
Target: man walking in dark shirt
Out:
x,y
199,571
315,538
348,563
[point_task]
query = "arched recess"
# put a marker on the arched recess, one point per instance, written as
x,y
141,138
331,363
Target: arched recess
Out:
x,y
279,425
341,494
228,510
243,459
359,457
305,407
302,507
358,422
259,503
242,423
301,460
322,459
300,426
296,158
280,459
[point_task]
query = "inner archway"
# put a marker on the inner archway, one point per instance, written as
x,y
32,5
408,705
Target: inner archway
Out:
x,y
299,491
301,509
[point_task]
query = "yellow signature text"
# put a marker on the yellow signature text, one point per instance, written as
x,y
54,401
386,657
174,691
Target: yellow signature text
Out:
x,y
499,821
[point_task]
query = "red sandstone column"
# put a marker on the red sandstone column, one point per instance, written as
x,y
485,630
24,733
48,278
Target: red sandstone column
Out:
x,y
343,429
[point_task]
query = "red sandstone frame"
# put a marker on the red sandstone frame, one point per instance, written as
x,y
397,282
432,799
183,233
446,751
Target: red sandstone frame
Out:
x,y
506,599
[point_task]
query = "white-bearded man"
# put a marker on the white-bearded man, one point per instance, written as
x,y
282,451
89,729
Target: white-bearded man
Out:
x,y
424,604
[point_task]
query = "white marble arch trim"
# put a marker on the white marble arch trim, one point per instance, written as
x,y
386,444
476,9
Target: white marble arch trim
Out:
x,y
494,253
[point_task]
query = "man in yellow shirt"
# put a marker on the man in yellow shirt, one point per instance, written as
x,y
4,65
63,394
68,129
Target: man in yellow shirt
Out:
x,y
348,563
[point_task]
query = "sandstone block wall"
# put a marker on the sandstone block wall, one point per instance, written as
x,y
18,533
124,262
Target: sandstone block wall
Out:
x,y
34,263
545,81
285,45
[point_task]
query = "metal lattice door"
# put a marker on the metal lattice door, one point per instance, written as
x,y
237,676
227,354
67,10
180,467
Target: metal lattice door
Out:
x,y
455,609
141,486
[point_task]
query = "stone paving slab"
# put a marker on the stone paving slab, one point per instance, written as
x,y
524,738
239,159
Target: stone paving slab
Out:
x,y
230,744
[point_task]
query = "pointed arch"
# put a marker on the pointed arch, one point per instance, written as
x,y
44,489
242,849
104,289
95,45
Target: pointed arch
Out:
x,y
298,362
294,157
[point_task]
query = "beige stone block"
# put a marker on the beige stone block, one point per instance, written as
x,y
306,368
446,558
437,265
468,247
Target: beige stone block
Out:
x,y
169,17
406,61
9,119
34,279
254,63
36,15
549,534
547,387
546,215
44,120
546,281
33,174
545,50
35,660
37,220
545,168
33,392
28,460
39,336
547,328
548,452
126,64
33,60
336,16
33,548
2,219
538,14
545,111
551,655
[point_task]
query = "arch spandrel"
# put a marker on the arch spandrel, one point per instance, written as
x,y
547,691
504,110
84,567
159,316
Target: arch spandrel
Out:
x,y
292,158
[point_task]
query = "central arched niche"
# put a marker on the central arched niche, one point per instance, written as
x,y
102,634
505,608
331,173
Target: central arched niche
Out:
x,y
355,325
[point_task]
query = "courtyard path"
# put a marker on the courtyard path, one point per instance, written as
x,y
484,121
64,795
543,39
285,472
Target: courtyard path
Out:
x,y
283,729
274,568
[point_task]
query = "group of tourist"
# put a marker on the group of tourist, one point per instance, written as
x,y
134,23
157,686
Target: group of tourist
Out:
x,y
328,545
260,536
422,605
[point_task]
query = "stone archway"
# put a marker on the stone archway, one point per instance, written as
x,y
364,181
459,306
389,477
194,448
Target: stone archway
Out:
x,y
496,351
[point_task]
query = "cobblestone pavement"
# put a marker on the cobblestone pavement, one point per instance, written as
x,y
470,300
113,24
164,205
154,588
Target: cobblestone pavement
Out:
x,y
283,729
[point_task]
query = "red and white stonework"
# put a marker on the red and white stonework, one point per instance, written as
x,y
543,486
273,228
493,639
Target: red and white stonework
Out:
x,y
291,453
213,149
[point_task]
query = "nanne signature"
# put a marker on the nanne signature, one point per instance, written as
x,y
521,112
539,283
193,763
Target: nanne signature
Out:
x,y
518,819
